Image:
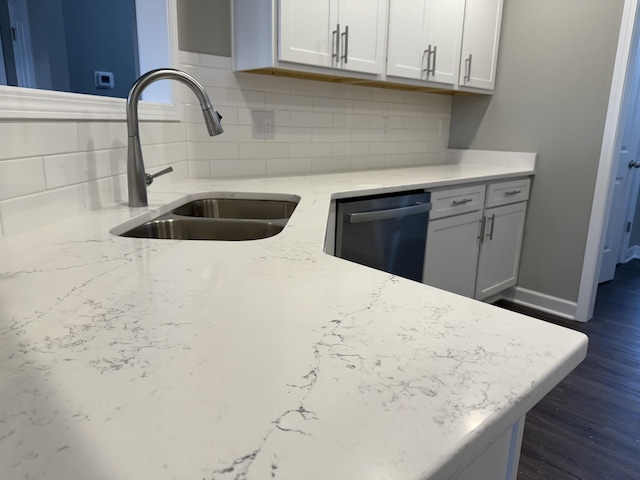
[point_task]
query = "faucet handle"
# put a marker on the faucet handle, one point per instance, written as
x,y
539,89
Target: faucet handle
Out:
x,y
148,179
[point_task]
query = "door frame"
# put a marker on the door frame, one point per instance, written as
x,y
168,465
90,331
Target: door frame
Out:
x,y
603,193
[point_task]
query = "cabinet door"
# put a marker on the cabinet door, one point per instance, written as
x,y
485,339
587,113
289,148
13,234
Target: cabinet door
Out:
x,y
480,38
500,249
363,34
306,31
444,19
452,253
417,27
406,56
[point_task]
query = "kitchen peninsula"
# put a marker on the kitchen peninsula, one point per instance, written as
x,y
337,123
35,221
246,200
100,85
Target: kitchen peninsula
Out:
x,y
128,358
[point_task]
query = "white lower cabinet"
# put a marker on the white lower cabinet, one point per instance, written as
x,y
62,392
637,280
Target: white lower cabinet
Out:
x,y
500,251
452,253
474,240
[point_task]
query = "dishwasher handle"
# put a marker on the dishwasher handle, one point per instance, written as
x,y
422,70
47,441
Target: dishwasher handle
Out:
x,y
362,217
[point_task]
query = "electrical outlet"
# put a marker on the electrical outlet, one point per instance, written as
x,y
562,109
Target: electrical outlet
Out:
x,y
263,122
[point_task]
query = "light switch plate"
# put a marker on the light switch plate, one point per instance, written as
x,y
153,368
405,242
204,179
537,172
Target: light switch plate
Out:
x,y
263,122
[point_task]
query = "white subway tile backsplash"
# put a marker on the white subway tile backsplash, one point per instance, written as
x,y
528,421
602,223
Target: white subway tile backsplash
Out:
x,y
21,177
106,192
211,151
332,105
311,87
236,168
341,120
31,211
264,150
310,149
330,164
353,92
293,134
31,139
101,135
350,149
221,97
288,166
398,160
278,101
367,163
369,108
72,168
199,168
311,119
331,135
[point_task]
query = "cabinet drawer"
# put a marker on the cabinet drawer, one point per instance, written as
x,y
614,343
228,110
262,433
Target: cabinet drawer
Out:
x,y
455,201
503,193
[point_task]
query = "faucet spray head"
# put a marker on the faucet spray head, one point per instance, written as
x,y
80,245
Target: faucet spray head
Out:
x,y
212,120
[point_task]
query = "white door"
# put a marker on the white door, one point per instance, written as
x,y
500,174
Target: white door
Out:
x,y
623,197
500,249
19,18
480,37
451,255
306,31
406,56
363,35
444,34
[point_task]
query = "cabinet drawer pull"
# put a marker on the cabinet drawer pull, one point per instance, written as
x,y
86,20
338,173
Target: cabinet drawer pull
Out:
x,y
464,201
512,192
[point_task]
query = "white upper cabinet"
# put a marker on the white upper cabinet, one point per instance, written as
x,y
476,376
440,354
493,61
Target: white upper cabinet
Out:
x,y
424,39
362,35
306,31
480,40
345,34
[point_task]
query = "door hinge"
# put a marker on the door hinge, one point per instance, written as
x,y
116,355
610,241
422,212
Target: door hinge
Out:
x,y
628,227
13,34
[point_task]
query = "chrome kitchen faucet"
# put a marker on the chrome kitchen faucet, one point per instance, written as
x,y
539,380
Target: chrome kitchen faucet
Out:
x,y
137,180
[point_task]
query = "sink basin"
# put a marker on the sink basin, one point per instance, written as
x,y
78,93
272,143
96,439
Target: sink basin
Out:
x,y
245,208
233,216
194,229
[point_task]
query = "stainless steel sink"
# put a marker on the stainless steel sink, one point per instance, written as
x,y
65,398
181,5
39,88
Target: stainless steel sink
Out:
x,y
245,208
194,229
222,216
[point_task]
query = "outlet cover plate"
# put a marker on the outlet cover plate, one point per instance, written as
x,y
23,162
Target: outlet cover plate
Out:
x,y
263,122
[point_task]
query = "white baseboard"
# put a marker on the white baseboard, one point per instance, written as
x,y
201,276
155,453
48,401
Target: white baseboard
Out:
x,y
543,302
631,253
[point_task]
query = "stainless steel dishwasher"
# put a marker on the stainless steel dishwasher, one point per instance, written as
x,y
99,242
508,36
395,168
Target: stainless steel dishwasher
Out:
x,y
387,232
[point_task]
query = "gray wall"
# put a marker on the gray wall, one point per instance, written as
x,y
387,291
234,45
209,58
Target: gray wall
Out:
x,y
554,75
205,26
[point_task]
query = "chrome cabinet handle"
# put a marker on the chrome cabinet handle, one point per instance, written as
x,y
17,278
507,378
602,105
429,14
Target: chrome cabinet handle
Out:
x,y
427,52
482,225
336,44
634,164
493,222
433,66
345,57
512,192
362,217
467,68
464,201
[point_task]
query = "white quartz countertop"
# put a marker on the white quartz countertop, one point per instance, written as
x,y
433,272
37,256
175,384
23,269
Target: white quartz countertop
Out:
x,y
126,358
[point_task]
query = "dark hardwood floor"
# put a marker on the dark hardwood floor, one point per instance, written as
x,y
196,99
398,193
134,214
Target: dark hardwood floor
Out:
x,y
588,427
